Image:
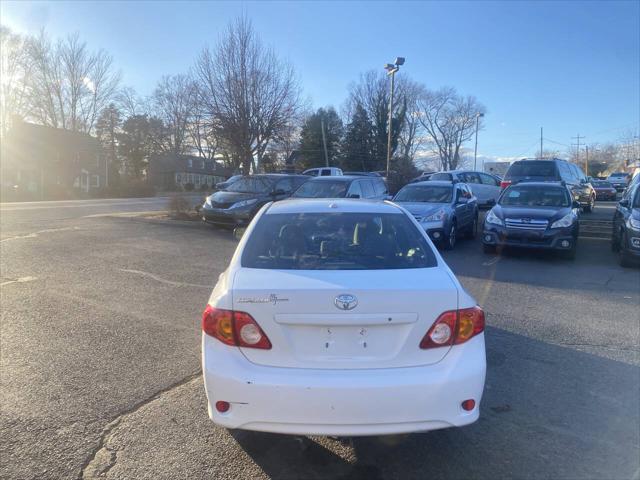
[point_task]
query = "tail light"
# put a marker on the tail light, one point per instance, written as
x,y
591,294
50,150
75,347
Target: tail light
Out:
x,y
238,329
504,184
454,327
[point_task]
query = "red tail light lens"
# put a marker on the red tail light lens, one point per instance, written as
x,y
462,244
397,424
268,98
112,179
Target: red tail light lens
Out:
x,y
238,329
504,184
454,327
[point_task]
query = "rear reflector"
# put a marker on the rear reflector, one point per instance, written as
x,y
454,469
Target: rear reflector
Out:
x,y
222,406
468,405
454,327
238,329
505,183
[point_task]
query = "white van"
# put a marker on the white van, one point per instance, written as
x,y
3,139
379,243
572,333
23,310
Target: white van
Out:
x,y
323,172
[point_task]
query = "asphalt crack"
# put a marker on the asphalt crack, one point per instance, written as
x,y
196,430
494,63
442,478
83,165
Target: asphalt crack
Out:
x,y
163,280
103,458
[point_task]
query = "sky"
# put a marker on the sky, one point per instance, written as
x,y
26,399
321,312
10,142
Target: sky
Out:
x,y
570,67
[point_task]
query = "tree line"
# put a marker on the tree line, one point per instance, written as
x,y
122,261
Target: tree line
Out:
x,y
240,103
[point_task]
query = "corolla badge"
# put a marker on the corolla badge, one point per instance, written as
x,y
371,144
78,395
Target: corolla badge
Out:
x,y
273,299
346,301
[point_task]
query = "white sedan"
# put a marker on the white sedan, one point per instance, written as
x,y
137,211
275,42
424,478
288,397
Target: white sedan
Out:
x,y
339,317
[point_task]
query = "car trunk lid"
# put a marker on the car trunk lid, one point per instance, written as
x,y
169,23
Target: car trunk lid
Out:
x,y
332,319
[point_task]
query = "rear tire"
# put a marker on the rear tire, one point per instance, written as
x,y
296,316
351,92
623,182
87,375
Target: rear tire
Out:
x,y
615,243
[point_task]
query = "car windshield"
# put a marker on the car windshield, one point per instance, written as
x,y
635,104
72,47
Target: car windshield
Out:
x,y
322,189
617,175
426,193
251,185
535,196
336,241
532,168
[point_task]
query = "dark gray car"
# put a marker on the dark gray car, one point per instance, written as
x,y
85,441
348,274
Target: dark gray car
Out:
x,y
343,186
241,200
444,209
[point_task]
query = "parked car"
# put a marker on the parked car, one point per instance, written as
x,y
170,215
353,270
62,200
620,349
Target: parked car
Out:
x,y
626,227
619,180
343,186
540,215
323,172
445,210
228,182
485,187
553,170
339,318
241,200
604,190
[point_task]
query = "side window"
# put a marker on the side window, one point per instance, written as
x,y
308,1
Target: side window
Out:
x,y
325,172
441,176
472,177
468,192
355,189
580,173
380,187
488,180
297,181
286,184
565,172
367,189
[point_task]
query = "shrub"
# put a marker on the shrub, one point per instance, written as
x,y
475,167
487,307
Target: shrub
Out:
x,y
178,206
189,187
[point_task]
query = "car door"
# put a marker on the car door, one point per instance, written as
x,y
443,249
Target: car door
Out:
x,y
461,206
491,186
623,212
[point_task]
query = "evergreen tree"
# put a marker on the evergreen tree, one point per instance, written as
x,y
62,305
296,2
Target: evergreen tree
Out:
x,y
107,127
358,141
311,144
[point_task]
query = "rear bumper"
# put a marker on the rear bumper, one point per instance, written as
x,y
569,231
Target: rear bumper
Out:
x,y
604,195
344,402
549,240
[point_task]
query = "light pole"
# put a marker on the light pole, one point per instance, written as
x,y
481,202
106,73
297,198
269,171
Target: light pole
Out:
x,y
391,69
475,151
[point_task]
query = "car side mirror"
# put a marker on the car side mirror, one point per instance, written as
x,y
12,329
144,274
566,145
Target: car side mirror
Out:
x,y
624,203
353,195
575,204
388,197
238,232
278,191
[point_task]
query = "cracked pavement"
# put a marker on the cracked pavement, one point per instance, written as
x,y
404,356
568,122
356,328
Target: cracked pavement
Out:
x,y
100,361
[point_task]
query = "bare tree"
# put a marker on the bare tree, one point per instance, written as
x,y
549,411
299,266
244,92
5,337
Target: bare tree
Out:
x,y
411,139
69,85
173,102
250,95
449,121
130,103
15,70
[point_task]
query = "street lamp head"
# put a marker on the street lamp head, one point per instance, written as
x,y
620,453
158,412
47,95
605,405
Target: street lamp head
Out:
x,y
399,61
480,114
389,66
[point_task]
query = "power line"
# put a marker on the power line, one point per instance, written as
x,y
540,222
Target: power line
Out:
x,y
577,137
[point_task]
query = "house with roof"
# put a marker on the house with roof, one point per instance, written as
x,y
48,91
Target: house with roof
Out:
x,y
39,162
168,171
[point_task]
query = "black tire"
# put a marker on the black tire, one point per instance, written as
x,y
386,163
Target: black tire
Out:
x,y
615,243
592,204
623,257
489,249
473,229
451,237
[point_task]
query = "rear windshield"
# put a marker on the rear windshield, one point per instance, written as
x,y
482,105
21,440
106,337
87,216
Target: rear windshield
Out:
x,y
602,184
251,185
336,241
532,168
322,189
535,196
427,193
618,175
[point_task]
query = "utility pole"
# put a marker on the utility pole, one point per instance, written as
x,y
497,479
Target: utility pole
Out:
x,y
324,142
475,151
577,144
586,162
541,142
391,69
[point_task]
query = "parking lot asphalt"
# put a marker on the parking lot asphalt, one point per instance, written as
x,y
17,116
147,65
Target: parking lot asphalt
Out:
x,y
100,362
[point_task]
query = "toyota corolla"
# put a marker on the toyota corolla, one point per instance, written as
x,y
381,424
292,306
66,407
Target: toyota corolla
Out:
x,y
339,317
